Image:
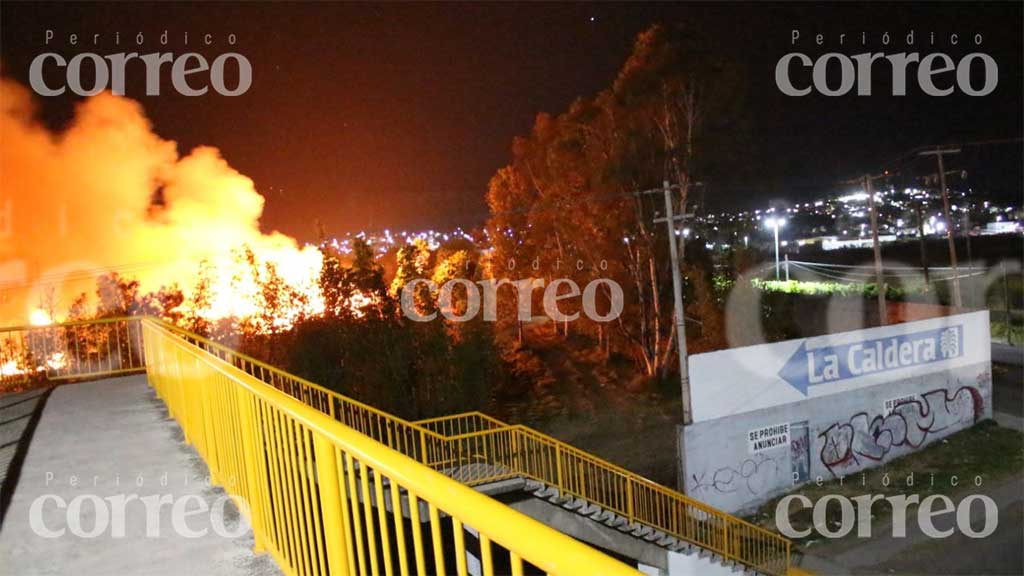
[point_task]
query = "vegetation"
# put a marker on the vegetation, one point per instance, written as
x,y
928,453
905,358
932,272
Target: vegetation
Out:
x,y
568,201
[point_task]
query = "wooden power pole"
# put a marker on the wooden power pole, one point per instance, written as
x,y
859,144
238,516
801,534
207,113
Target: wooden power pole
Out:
x,y
883,317
939,152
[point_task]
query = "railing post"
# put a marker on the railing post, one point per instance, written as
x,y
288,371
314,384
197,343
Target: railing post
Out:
x,y
253,480
558,467
328,484
727,545
423,447
515,459
629,500
788,557
581,474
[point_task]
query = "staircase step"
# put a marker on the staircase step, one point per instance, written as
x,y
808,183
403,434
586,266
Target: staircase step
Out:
x,y
574,504
532,486
654,535
668,541
547,492
641,531
617,522
613,520
559,499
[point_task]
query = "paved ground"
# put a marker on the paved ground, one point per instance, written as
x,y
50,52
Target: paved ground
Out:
x,y
18,414
112,439
1008,388
1006,354
1000,553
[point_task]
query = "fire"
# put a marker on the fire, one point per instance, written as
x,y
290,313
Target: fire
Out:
x,y
39,317
276,289
10,368
57,361
108,194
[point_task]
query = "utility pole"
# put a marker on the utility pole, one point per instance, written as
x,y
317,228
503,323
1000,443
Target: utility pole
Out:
x,y
1006,305
921,243
938,153
677,293
970,258
879,280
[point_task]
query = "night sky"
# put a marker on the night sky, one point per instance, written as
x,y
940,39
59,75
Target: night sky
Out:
x,y
374,116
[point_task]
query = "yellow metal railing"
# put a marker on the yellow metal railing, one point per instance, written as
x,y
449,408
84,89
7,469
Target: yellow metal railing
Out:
x,y
85,349
459,424
519,451
325,499
474,449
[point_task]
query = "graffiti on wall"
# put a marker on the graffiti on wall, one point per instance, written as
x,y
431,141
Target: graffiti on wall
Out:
x,y
862,440
753,475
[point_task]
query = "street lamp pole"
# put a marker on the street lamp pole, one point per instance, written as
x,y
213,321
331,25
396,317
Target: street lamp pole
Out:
x,y
775,224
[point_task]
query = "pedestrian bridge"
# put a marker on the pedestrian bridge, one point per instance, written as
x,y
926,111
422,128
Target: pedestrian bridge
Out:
x,y
333,486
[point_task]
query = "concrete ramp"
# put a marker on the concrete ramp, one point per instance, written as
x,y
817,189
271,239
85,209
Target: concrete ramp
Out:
x,y
109,487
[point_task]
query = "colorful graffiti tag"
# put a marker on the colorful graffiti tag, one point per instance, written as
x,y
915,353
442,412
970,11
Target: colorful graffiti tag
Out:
x,y
863,440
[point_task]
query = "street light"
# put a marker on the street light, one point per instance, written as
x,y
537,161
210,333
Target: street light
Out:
x,y
775,224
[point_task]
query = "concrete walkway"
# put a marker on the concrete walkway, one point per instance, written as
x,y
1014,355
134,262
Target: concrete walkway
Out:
x,y
19,413
957,555
1006,354
104,452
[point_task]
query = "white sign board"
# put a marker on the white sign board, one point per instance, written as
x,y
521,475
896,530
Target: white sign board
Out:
x,y
767,437
892,403
739,380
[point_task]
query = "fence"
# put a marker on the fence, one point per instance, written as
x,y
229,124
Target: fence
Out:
x,y
325,499
518,451
86,349
472,448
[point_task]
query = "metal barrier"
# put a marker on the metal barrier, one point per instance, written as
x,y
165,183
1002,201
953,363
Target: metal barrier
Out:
x,y
73,350
325,499
472,448
518,451
465,423
476,449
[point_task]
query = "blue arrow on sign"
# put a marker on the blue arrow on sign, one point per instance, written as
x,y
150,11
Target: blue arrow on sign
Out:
x,y
795,370
828,364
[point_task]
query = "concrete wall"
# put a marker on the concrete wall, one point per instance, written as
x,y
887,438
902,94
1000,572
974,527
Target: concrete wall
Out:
x,y
828,436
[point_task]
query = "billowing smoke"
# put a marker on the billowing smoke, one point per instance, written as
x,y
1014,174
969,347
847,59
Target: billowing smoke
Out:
x,y
109,194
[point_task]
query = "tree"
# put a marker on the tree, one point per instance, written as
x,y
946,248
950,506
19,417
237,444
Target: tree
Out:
x,y
567,195
194,317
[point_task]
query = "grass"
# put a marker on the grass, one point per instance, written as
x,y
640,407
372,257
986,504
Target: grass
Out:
x,y
987,451
999,331
868,290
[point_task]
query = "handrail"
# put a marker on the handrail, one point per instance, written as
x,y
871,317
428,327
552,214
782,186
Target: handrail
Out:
x,y
71,350
516,450
475,448
463,423
305,477
395,432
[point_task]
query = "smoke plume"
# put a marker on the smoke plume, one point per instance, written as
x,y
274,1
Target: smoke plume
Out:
x,y
109,194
